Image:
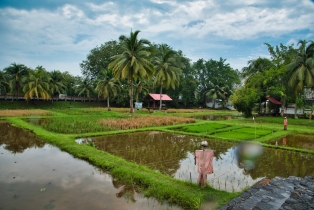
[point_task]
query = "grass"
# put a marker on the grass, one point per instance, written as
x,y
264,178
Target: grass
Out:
x,y
202,128
65,124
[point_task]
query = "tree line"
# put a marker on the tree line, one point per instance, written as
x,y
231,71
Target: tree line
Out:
x,y
127,69
285,76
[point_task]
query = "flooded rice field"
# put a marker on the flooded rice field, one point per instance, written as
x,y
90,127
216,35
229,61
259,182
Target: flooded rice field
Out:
x,y
235,167
297,141
35,175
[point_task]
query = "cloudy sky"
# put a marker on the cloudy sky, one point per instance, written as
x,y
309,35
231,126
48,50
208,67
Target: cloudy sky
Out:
x,y
58,34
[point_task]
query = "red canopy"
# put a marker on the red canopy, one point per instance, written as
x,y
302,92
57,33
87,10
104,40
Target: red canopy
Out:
x,y
156,97
274,101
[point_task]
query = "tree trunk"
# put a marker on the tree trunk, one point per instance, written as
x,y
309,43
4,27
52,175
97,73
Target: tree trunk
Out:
x,y
160,102
283,104
131,94
108,103
214,103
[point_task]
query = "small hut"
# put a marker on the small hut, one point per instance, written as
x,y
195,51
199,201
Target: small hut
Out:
x,y
152,98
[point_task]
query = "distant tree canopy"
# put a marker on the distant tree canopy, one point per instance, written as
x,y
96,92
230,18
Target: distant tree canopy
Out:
x,y
132,67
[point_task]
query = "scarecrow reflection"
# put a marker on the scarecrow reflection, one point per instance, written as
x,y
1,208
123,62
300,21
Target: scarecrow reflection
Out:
x,y
205,163
127,191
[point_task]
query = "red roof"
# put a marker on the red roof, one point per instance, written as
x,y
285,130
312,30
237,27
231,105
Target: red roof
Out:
x,y
156,97
274,101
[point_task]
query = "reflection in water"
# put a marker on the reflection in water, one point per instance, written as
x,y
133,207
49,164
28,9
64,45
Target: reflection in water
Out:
x,y
126,191
298,141
173,154
16,139
47,178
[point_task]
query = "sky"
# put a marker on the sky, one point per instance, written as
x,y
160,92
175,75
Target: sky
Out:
x,y
59,34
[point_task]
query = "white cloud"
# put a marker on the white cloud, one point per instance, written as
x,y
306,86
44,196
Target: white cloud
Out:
x,y
199,27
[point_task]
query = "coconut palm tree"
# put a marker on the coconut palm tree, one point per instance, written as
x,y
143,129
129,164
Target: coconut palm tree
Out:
x,y
37,84
139,87
16,76
256,66
133,63
107,87
301,69
3,83
215,90
84,87
167,69
56,83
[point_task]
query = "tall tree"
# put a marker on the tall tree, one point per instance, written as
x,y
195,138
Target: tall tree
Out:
x,y
244,99
209,71
140,86
37,84
16,75
301,68
98,59
56,83
256,66
84,87
106,87
281,56
3,83
167,69
133,62
215,90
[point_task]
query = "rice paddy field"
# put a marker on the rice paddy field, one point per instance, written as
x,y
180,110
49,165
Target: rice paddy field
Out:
x,y
167,173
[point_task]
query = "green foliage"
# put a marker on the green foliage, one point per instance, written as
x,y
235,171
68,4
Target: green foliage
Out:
x,y
214,72
244,98
98,59
133,63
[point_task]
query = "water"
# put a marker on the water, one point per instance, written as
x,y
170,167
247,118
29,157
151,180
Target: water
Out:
x,y
297,141
35,175
173,154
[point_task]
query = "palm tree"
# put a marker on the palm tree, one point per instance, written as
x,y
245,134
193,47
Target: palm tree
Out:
x,y
56,83
167,69
227,92
301,69
139,87
84,87
256,66
215,91
37,84
16,75
3,83
133,63
107,87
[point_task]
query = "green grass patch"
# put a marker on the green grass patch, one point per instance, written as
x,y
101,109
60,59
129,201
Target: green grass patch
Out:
x,y
244,133
202,128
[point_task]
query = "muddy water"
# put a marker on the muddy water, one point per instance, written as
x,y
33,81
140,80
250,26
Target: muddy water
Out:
x,y
35,175
173,154
297,141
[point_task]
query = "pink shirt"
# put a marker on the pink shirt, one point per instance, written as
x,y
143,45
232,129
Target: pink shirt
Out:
x,y
285,122
205,161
